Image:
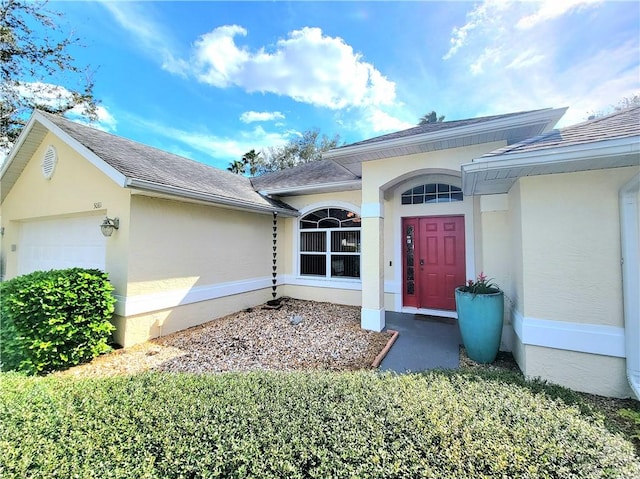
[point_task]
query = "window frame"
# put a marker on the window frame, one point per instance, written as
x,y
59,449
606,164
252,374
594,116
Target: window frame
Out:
x,y
329,254
442,193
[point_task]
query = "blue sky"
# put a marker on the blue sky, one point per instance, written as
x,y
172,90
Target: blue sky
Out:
x,y
212,80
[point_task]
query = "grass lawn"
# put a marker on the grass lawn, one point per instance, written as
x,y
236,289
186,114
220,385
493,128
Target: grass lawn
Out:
x,y
466,424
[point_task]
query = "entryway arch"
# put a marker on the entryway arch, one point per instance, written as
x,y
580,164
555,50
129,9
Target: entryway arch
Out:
x,y
435,222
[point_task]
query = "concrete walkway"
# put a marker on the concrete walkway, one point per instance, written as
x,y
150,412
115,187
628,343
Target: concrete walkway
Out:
x,y
424,343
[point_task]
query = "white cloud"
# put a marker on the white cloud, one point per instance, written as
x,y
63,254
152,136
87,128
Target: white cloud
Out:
x,y
150,35
490,55
506,27
515,56
307,66
480,18
382,122
56,96
253,116
105,121
525,60
551,9
218,60
215,149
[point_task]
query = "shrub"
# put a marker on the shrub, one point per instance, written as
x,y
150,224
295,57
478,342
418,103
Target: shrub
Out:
x,y
55,319
298,425
634,418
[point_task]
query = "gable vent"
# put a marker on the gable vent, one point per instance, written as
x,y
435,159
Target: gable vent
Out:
x,y
49,162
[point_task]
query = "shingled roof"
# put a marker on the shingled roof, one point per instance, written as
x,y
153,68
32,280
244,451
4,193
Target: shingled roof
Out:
x,y
149,168
341,166
436,127
612,141
313,173
620,124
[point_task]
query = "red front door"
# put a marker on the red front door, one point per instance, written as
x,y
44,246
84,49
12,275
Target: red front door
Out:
x,y
433,261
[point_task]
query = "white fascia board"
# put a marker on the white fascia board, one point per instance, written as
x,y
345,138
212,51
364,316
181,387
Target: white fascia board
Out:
x,y
552,156
206,197
82,150
615,147
16,147
315,188
551,115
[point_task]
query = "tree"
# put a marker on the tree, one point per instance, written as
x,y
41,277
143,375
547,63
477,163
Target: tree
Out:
x,y
250,159
623,103
306,148
431,118
237,167
34,68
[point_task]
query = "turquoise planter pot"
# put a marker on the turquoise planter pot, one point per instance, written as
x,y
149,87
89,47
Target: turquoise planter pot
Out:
x,y
480,319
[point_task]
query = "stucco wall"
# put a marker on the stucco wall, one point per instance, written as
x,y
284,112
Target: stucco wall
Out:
x,y
385,174
571,246
590,373
176,245
191,263
323,295
76,188
493,255
141,327
568,313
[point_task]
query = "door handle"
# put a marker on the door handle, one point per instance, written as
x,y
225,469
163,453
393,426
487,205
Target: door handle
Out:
x,y
421,262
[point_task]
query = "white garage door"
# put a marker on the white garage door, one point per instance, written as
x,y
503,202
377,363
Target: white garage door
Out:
x,y
61,243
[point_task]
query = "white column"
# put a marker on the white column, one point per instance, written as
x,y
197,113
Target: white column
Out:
x,y
372,266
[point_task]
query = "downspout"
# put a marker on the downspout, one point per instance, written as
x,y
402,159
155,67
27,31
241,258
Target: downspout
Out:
x,y
630,248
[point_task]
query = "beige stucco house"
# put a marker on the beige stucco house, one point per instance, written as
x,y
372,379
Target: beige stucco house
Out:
x,y
391,223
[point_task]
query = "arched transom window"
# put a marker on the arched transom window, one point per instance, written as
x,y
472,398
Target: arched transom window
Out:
x,y
330,243
431,193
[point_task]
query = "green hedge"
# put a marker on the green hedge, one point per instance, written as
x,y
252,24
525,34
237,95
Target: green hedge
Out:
x,y
52,320
298,425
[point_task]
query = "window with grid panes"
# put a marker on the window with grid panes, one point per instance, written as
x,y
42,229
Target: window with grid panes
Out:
x,y
330,243
431,193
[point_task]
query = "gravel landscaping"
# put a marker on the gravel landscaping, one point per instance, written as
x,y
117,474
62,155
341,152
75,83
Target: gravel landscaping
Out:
x,y
328,337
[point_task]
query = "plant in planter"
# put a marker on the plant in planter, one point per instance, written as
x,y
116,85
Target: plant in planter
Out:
x,y
480,307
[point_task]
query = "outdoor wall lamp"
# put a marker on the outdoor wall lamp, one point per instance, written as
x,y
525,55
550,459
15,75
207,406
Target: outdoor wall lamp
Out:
x,y
108,225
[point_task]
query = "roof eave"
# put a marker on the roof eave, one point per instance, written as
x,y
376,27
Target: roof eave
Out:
x,y
494,175
98,162
313,188
552,116
207,197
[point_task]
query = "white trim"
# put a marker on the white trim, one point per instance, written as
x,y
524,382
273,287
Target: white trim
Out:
x,y
630,246
147,303
551,116
233,203
315,188
322,282
584,338
558,154
372,319
372,210
82,150
503,170
329,204
443,313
